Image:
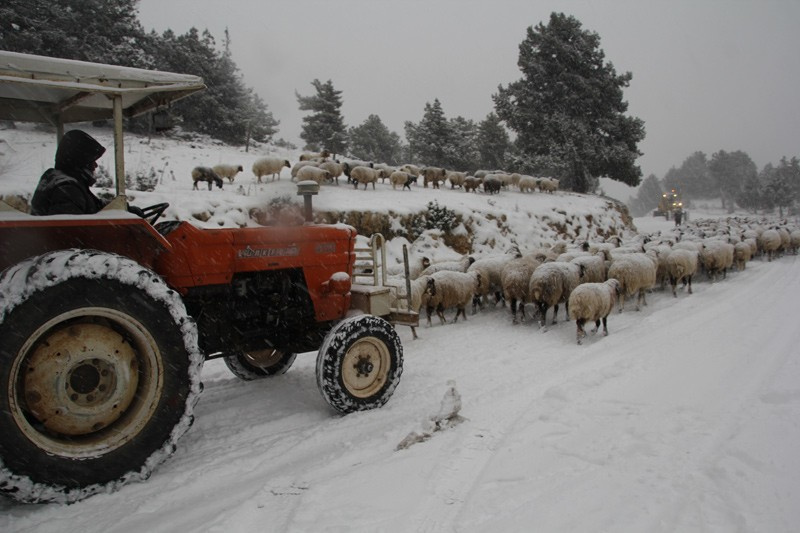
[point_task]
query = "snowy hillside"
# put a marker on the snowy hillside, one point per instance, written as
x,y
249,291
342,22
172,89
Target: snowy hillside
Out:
x,y
685,418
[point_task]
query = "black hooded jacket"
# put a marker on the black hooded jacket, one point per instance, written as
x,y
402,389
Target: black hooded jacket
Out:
x,y
65,188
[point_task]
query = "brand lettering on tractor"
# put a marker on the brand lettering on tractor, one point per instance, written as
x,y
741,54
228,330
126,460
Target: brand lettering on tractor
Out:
x,y
269,252
325,248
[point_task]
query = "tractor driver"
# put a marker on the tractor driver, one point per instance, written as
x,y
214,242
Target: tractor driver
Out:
x,y
65,188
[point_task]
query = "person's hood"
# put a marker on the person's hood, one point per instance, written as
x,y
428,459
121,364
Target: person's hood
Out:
x,y
77,150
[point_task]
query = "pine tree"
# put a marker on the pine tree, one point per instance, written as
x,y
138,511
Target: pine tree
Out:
x,y
751,197
493,143
568,111
647,198
730,171
372,141
782,183
693,178
430,142
324,128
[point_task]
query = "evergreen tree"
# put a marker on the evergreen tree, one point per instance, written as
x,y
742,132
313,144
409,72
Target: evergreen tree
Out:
x,y
372,141
493,143
730,171
103,31
324,128
782,183
430,142
693,178
568,110
751,197
647,198
463,153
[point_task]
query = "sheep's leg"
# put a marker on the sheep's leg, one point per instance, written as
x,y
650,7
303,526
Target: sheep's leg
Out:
x,y
596,326
429,312
581,333
555,315
543,313
514,311
498,297
440,312
621,301
674,282
566,310
605,326
690,284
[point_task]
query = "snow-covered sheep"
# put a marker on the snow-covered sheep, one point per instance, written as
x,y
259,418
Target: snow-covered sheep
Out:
x,y
551,284
459,265
456,179
404,179
228,171
548,185
794,245
592,302
681,265
448,289
315,156
317,174
742,253
527,184
491,269
366,176
594,266
335,168
716,257
636,273
514,279
206,174
433,175
301,164
471,184
269,166
768,243
414,170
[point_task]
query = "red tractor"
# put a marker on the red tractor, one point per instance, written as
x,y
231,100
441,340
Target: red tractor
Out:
x,y
106,319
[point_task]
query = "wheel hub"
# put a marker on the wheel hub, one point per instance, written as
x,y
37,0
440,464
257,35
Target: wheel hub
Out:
x,y
365,367
263,358
80,379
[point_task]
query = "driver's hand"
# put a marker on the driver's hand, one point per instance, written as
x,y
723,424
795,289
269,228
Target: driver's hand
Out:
x,y
135,210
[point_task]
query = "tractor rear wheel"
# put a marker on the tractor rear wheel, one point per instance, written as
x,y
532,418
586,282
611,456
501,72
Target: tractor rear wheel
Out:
x,y
359,364
249,366
99,375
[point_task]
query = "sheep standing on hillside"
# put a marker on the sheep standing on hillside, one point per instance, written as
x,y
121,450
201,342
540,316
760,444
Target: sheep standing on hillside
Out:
x,y
315,156
269,166
334,168
456,179
471,184
432,175
404,179
681,266
228,171
491,184
551,284
317,174
593,301
366,175
491,269
549,185
205,174
636,273
448,289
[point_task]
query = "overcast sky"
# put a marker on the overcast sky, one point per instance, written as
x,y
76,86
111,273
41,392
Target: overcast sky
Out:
x,y
707,75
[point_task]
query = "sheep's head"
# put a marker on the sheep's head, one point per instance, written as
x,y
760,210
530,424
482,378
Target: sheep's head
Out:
x,y
286,164
430,287
240,168
218,181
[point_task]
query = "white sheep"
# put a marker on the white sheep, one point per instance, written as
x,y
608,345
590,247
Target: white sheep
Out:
x,y
527,184
448,289
228,171
456,179
768,243
205,174
717,256
414,170
433,175
636,273
681,265
593,302
491,269
551,284
594,266
335,169
515,278
366,175
459,265
742,253
795,241
269,166
313,173
549,185
301,164
387,170
315,156
404,179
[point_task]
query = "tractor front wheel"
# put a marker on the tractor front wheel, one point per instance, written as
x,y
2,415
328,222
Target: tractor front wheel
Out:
x,y
258,364
359,364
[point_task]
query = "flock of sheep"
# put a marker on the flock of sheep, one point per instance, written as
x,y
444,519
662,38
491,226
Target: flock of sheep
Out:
x,y
590,279
320,167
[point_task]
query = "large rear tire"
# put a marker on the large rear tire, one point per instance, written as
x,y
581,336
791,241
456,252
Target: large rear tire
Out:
x,y
99,375
359,364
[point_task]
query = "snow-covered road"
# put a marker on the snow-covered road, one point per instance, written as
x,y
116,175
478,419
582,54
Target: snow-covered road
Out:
x,y
685,418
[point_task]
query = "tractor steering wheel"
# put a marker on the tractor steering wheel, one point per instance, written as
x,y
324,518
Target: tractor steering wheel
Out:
x,y
152,213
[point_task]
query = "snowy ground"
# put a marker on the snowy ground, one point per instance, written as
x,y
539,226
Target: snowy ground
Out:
x,y
685,418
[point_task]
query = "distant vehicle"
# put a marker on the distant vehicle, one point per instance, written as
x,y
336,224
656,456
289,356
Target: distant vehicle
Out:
x,y
669,204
